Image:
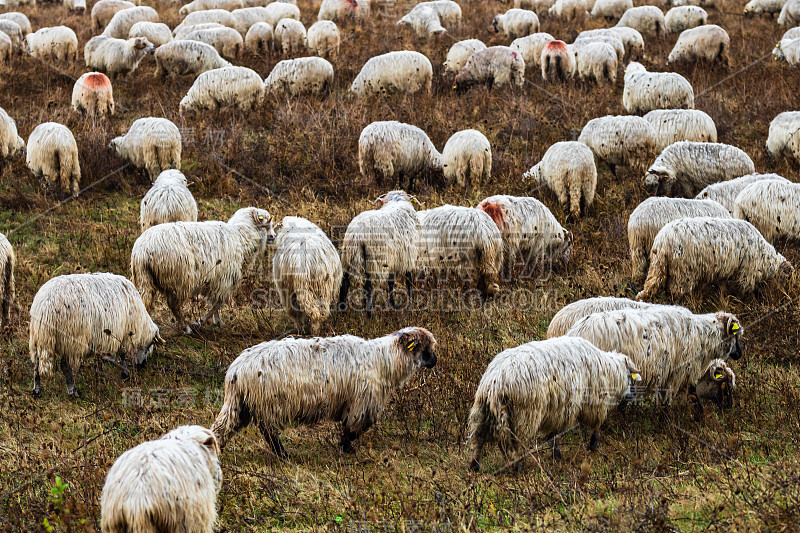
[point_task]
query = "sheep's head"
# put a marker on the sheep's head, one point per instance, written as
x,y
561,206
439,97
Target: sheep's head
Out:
x,y
396,196
634,377
495,22
141,355
657,182
419,344
143,45
463,79
203,436
717,384
786,269
263,221
564,249
115,143
535,173
777,53
731,332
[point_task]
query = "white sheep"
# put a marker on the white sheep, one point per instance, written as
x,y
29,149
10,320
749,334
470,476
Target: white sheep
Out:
x,y
323,38
227,86
530,48
611,9
182,31
404,71
537,6
344,379
246,17
467,159
708,42
567,169
690,251
6,48
725,192
58,43
20,18
277,11
187,58
227,41
424,21
624,140
116,57
157,33
168,200
784,133
761,7
307,273
304,75
168,484
182,260
459,53
218,16
78,6
7,293
647,20
683,18
791,33
449,12
496,66
673,125
544,388
123,20
788,50
82,315
93,94
290,37
14,33
390,151
568,10
558,62
10,142
568,315
614,42
151,143
516,23
686,167
342,10
104,10
259,38
645,91
772,206
597,61
203,5
790,14
52,154
631,39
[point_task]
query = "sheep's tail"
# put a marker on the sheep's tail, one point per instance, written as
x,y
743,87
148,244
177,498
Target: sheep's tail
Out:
x,y
134,514
354,259
144,281
234,415
656,276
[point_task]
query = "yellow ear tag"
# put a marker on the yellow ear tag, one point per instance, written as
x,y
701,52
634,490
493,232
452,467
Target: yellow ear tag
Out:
x,y
260,217
718,375
735,328
455,86
635,376
411,345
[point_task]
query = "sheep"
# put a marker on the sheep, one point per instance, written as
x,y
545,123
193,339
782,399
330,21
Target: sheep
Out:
x,y
404,71
227,41
708,42
218,16
791,33
717,384
790,14
116,57
545,388
531,234
123,20
459,53
424,21
614,42
246,17
204,5
653,214
277,11
530,48
673,125
761,7
516,23
681,18
689,251
631,39
568,315
168,200
187,58
788,50
168,484
467,159
558,62
323,38
379,245
7,262
647,20
684,168
10,142
611,9
157,33
567,169
52,154
78,6
725,192
464,241
645,91
304,75
259,38
496,66
784,133
597,61
307,273
181,32
568,10
448,11
344,379
341,10
93,94
6,48
21,19
14,33
227,86
537,6
623,140
104,10
290,37
78,315
185,259
772,207
151,143
390,151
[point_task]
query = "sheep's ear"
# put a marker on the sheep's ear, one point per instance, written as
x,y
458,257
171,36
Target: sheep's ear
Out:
x,y
261,219
717,374
211,444
139,44
632,367
410,340
733,327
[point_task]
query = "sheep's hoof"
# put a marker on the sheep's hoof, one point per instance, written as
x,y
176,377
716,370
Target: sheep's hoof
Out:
x,y
475,466
37,393
74,393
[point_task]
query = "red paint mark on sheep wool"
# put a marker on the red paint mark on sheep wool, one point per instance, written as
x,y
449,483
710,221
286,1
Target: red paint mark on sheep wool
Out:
x,y
96,81
495,211
556,45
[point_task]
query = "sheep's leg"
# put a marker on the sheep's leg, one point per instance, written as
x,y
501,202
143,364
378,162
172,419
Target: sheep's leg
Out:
x,y
273,440
37,381
478,441
409,288
68,377
698,405
121,365
594,440
556,444
390,283
343,290
175,306
613,168
350,435
212,311
368,296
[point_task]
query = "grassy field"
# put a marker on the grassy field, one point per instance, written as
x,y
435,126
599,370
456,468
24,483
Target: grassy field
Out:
x,y
656,469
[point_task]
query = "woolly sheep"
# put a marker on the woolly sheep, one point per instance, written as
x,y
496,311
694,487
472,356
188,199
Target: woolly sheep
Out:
x,y
568,10
182,31
725,192
623,140
537,6
93,94
631,39
116,57
10,141
14,33
187,58
203,5
52,154
58,43
323,38
277,11
708,42
558,62
182,260
790,14
227,86
151,143
567,169
21,20
496,66
404,71
645,91
218,16
6,48
227,41
773,207
544,388
788,50
530,48
390,151
10,4
568,315
307,273
653,214
104,10
424,21
467,159
78,6
341,10
690,251
277,383
448,11
79,315
246,17
614,42
761,7
305,75
168,484
717,384
647,20
597,61
703,3
168,200
157,33
123,20
7,262
683,18
686,167
784,134
611,9
259,38
674,125
791,33
379,245
516,23
459,53
290,36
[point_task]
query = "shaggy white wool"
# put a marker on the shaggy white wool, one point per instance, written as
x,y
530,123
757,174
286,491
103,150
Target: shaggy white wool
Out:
x,y
52,154
404,71
567,169
168,200
223,87
151,143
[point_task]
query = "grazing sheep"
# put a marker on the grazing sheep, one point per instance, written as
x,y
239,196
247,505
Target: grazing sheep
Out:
x,y
762,7
674,125
623,140
784,133
703,3
157,33
645,91
259,38
151,143
791,33
611,9
342,10
21,20
788,50
58,43
496,66
790,14
448,11
218,16
93,95
558,62
467,159
204,5
227,41
290,36
516,23
182,31
307,273
773,207
7,262
168,484
13,31
6,48
690,251
568,315
544,388
708,42
424,21
80,315
614,42
394,72
344,379
390,151
725,192
653,214
104,10
78,6
530,48
305,75
597,61
10,141
52,154
686,167
182,260
168,200
187,58
246,17
459,54
717,384
568,10
323,38
227,86
116,57
647,20
381,244
631,39
681,18
123,20
568,170
537,6
277,11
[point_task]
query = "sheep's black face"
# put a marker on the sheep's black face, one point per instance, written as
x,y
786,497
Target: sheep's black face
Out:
x,y
734,332
651,183
420,344
427,358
